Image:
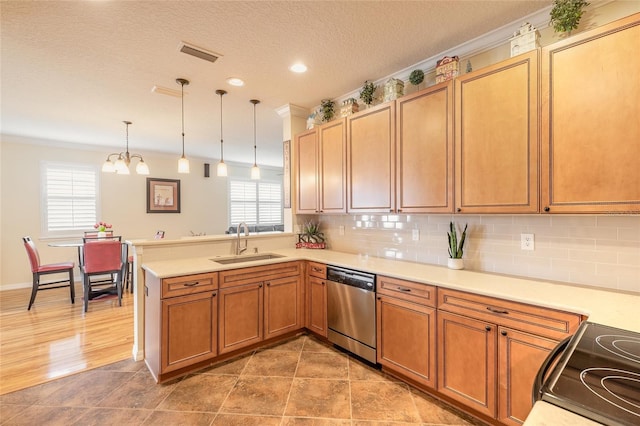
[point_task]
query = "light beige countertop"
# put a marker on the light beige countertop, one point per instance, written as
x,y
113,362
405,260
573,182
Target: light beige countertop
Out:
x,y
616,309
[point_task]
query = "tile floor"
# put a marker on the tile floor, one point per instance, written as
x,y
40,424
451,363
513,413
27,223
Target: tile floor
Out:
x,y
298,382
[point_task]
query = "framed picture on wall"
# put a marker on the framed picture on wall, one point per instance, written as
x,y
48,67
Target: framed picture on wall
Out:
x,y
163,195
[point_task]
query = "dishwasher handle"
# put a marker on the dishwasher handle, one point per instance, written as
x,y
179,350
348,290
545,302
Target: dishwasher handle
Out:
x,y
544,368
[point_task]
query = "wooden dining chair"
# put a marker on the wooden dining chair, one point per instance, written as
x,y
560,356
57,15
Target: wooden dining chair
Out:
x,y
38,270
103,257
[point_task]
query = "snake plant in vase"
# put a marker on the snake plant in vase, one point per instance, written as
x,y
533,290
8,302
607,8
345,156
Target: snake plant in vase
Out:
x,y
456,247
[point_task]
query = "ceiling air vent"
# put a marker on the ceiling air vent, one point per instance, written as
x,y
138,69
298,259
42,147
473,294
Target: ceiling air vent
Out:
x,y
198,52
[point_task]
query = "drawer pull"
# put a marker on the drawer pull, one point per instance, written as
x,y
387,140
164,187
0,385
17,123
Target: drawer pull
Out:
x,y
503,332
268,283
488,328
191,284
316,269
496,311
404,289
214,294
260,285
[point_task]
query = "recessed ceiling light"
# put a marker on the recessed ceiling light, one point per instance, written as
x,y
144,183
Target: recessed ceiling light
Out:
x,y
235,81
299,67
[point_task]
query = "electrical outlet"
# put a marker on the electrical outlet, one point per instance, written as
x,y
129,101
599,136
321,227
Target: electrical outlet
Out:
x,y
415,234
527,242
341,230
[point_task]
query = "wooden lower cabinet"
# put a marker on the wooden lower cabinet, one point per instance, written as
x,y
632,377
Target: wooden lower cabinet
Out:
x,y
317,306
181,322
241,316
282,306
402,325
519,358
190,330
467,361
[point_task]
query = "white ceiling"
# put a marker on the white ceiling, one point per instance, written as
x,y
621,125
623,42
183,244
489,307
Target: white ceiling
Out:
x,y
72,71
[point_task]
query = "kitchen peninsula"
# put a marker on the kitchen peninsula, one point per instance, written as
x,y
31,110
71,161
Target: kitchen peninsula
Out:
x,y
612,308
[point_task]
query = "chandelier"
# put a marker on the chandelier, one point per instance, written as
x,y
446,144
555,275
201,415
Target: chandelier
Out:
x,y
121,165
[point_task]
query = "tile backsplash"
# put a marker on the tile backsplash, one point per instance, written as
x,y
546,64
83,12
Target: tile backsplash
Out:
x,y
602,251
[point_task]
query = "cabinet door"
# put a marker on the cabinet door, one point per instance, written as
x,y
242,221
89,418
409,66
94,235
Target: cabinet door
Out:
x,y
240,319
590,121
189,330
283,306
307,172
467,361
398,323
424,151
497,138
370,159
333,167
317,306
520,355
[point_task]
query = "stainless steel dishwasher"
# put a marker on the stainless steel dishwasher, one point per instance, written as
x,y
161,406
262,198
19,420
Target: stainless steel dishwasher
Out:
x,y
351,311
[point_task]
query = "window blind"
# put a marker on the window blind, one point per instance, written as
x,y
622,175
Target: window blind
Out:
x,y
255,203
70,194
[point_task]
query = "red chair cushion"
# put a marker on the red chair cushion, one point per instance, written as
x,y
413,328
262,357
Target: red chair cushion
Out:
x,y
63,266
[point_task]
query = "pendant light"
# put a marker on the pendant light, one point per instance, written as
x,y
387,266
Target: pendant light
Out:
x,y
222,167
121,165
183,163
255,170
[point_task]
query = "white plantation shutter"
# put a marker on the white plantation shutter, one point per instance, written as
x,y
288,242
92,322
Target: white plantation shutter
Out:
x,y
256,203
69,196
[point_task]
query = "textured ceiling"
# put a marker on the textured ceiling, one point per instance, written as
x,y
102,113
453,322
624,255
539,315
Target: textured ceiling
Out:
x,y
73,71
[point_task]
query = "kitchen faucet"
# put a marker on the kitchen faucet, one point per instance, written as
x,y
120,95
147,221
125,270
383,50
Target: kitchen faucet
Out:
x,y
239,250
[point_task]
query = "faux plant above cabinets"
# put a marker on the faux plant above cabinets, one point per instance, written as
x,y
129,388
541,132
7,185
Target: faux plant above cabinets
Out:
x,y
503,145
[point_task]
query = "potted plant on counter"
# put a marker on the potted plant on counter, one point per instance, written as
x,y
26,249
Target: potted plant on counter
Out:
x,y
311,237
456,247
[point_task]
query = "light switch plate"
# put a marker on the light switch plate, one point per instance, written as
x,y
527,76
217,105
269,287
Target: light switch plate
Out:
x,y
527,242
415,234
341,230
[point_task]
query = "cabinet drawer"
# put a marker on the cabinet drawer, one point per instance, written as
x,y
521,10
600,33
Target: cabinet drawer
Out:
x,y
241,276
318,270
422,294
189,284
533,319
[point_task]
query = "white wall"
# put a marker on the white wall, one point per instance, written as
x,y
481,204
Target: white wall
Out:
x,y
204,206
601,251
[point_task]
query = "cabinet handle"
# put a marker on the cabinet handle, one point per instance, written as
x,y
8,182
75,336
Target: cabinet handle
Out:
x,y
399,210
379,297
404,289
316,269
546,209
488,328
458,209
503,332
191,284
496,311
214,294
322,282
260,285
268,283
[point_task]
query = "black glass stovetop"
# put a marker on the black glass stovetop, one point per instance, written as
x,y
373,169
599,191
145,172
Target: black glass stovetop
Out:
x,y
598,376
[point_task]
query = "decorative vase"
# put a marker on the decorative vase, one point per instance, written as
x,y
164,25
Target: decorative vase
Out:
x,y
455,263
102,234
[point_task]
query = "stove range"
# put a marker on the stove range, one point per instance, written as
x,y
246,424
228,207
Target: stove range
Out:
x,y
597,375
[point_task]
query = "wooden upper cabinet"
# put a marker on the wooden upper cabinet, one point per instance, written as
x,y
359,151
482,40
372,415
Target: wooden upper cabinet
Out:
x,y
370,159
424,151
497,138
332,167
306,149
591,121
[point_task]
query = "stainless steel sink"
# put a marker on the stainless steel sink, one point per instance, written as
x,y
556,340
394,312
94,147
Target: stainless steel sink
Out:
x,y
246,258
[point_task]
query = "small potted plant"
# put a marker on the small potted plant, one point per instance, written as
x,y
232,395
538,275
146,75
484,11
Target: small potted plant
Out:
x,y
327,106
566,14
366,94
102,227
416,77
311,237
456,247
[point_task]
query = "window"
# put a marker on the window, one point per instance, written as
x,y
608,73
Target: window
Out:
x,y
256,203
69,198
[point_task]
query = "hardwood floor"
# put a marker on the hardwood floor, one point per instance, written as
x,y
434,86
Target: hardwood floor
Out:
x,y
56,338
